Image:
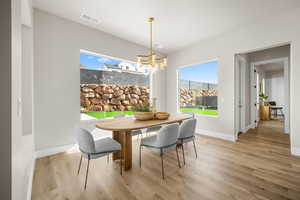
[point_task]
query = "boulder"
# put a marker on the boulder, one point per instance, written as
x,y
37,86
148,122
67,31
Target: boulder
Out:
x,y
87,89
107,96
92,86
122,97
107,108
134,96
89,95
118,92
95,101
115,101
125,102
133,101
98,90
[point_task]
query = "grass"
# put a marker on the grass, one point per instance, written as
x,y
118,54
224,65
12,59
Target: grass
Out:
x,y
100,115
108,114
201,111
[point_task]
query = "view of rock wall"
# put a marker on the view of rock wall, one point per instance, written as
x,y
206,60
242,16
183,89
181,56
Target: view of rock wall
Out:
x,y
188,97
111,97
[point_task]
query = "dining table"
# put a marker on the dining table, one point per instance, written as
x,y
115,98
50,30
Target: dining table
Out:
x,y
121,132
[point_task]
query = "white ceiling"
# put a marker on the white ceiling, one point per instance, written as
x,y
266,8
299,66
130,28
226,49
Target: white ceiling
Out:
x,y
179,23
272,67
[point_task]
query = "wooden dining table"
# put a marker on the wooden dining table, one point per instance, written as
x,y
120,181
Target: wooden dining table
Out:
x,y
121,131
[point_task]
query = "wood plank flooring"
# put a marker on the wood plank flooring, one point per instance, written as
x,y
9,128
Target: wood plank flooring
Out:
x,y
257,166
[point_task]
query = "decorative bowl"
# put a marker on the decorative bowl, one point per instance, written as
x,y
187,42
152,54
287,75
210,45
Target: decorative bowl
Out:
x,y
162,115
142,116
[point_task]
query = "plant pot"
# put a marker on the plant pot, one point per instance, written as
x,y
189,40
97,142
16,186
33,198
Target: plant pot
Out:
x,y
143,116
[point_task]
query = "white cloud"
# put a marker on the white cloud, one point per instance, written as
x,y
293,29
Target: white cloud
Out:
x,y
103,60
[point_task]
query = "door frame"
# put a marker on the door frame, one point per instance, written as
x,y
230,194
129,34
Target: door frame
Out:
x,y
285,61
240,102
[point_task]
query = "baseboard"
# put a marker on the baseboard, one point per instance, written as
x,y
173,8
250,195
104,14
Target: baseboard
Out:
x,y
54,150
295,151
30,179
248,127
223,136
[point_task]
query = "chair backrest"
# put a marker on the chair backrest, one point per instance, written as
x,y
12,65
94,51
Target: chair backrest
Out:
x,y
119,116
189,113
187,128
85,140
167,135
272,103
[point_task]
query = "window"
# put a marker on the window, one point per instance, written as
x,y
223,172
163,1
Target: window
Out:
x,y
110,86
198,88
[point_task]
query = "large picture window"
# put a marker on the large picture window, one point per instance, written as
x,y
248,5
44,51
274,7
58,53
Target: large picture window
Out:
x,y
111,86
198,88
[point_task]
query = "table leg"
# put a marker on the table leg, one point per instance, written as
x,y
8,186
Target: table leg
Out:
x,y
116,135
125,139
127,150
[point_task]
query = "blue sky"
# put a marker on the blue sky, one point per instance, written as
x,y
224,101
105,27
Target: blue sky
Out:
x,y
205,72
96,62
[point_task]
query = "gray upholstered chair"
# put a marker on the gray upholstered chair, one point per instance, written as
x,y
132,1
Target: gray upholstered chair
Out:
x,y
189,113
164,141
187,134
91,149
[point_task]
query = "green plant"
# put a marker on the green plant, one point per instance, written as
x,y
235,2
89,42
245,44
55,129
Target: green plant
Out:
x,y
263,98
145,107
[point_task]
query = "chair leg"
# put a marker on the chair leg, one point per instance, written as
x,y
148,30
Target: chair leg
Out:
x,y
183,153
107,158
121,160
162,164
195,148
140,156
87,172
178,157
79,165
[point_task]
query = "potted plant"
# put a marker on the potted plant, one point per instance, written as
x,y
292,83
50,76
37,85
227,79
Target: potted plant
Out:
x,y
263,98
143,111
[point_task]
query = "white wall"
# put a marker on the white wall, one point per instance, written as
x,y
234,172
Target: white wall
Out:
x,y
22,145
266,32
57,43
27,80
274,86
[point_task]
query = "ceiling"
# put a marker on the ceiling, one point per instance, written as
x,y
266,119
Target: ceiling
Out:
x,y
272,67
179,23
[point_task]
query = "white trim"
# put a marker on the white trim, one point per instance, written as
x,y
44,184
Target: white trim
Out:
x,y
240,93
295,151
223,136
30,179
248,127
54,150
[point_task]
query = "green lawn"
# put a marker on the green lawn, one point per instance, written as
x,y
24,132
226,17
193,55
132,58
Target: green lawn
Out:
x,y
107,114
99,115
201,111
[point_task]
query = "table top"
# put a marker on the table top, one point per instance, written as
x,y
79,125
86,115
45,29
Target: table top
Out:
x,y
128,123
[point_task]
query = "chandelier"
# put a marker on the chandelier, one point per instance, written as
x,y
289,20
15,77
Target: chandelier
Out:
x,y
152,59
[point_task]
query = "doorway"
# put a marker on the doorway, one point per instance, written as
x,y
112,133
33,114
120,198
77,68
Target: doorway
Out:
x,y
262,89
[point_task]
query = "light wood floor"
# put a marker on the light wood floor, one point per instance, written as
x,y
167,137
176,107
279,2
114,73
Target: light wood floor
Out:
x,y
258,166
